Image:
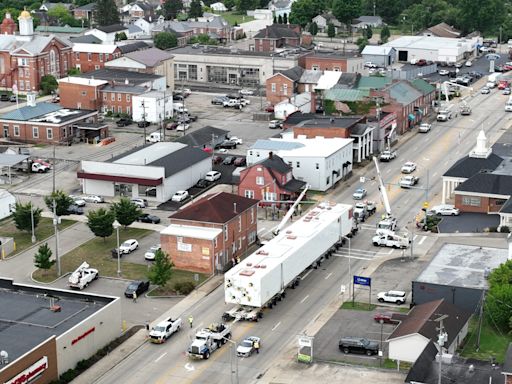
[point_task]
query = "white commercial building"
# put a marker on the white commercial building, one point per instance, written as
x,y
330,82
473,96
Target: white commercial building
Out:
x,y
7,204
156,105
437,49
320,162
166,167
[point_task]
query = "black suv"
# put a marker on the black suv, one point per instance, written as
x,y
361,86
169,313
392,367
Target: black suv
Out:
x,y
143,124
358,345
123,122
227,144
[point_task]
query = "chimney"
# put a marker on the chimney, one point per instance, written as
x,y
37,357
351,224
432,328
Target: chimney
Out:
x,y
234,207
271,155
126,82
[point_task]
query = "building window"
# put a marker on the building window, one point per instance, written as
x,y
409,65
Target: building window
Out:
x,y
77,56
113,96
215,243
225,232
128,97
327,180
119,96
16,130
84,93
269,196
101,56
49,133
252,214
119,109
22,62
273,85
297,165
239,243
471,201
252,237
315,67
249,194
89,56
27,85
22,85
128,110
35,132
260,180
285,89
104,97
239,223
96,67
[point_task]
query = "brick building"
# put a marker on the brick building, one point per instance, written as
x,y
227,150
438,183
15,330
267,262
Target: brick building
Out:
x,y
282,85
91,57
332,61
206,236
277,36
117,98
80,93
85,12
25,58
270,180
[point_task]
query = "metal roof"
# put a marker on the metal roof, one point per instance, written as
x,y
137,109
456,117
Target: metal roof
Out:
x,y
275,145
150,57
340,94
469,166
28,112
377,50
373,82
404,93
192,231
11,160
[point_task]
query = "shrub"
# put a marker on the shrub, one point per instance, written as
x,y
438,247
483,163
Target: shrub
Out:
x,y
184,287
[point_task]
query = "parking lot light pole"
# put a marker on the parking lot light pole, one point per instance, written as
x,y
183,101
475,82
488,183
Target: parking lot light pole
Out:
x,y
56,222
32,221
381,350
116,226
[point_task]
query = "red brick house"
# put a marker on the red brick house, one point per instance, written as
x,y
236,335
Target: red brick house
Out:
x,y
206,235
277,36
331,61
90,57
270,180
282,85
81,93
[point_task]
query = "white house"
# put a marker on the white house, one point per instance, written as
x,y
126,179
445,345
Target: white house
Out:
x,y
319,162
167,167
134,32
107,34
325,19
218,7
146,24
419,327
7,203
155,104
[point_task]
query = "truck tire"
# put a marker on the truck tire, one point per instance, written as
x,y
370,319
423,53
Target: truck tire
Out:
x,y
375,244
369,353
346,351
97,276
206,355
381,300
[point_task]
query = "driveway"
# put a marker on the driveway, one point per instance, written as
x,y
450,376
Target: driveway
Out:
x,y
468,223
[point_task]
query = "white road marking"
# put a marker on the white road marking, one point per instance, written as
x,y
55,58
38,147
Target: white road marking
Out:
x,y
189,367
390,251
275,326
329,275
262,229
414,238
422,240
306,275
304,299
161,356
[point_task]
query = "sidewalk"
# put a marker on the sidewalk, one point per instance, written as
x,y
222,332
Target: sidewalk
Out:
x,y
138,339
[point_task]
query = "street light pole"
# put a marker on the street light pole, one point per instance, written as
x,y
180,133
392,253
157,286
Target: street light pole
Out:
x,y
349,268
233,357
32,221
381,350
56,222
116,226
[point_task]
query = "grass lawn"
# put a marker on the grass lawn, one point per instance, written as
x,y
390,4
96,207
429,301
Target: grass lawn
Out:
x,y
234,18
97,252
24,239
492,342
358,306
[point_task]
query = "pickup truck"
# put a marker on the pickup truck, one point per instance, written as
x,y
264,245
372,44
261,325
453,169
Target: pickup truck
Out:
x,y
208,340
82,276
387,155
165,329
444,115
39,168
390,240
408,181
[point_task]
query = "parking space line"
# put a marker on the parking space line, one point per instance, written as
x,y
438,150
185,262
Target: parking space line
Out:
x,y
329,275
275,326
414,238
304,299
161,356
422,240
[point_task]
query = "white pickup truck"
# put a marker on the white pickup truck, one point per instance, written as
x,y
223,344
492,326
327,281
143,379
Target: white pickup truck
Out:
x,y
408,181
165,329
208,340
82,276
387,155
391,240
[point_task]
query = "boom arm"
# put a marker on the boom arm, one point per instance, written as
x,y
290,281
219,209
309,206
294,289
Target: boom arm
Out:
x,y
382,189
290,212
389,138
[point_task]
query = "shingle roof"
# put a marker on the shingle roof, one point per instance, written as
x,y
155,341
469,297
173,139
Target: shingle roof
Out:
x,y
294,73
180,160
421,367
469,166
85,39
219,208
112,28
150,57
443,30
276,31
422,86
202,137
37,44
132,28
276,163
487,183
373,82
27,112
86,7
421,320
294,185
132,47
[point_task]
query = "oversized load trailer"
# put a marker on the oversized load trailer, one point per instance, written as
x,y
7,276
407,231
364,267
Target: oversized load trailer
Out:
x,y
260,280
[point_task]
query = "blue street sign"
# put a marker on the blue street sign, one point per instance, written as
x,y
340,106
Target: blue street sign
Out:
x,y
363,280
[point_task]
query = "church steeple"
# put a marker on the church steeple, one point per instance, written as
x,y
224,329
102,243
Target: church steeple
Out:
x,y
481,149
26,24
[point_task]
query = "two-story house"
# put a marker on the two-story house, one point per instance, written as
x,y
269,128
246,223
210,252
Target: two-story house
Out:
x,y
277,36
282,85
212,231
91,57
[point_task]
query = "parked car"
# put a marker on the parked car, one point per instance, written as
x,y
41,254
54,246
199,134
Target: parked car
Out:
x,y
358,345
506,91
246,92
421,62
369,64
219,100
396,297
172,125
227,144
485,91
13,99
74,209
178,97
408,167
236,140
275,124
216,159
147,218
129,246
443,72
141,203
424,127
386,317
202,183
150,254
213,175
78,201
4,97
138,287
124,122
143,124
240,161
359,194
182,127
269,108
246,347
93,199
445,210
231,103
468,63
229,160
179,196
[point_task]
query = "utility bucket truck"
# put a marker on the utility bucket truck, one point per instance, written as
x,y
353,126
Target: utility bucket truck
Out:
x,y
82,276
388,222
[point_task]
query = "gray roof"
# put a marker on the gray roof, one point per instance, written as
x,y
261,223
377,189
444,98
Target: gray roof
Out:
x,y
119,76
7,160
294,185
87,39
132,47
294,73
132,28
276,163
27,112
150,57
112,28
369,19
180,160
404,93
123,88
276,31
275,145
203,137
310,76
420,369
469,166
487,183
312,119
86,7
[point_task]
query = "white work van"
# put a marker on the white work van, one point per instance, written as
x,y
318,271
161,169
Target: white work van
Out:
x,y
154,137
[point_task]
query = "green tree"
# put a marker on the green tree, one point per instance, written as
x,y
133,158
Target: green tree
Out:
x,y
120,36
275,20
285,18
171,8
313,28
165,40
361,43
161,270
368,32
346,10
229,4
43,257
48,84
22,216
242,6
60,13
499,296
303,11
15,13
100,222
280,19
73,71
106,12
62,201
384,34
331,30
126,211
196,10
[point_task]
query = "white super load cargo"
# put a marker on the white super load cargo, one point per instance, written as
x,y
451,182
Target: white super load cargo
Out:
x,y
267,272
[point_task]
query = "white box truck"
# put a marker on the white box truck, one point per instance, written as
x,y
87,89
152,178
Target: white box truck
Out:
x,y
261,279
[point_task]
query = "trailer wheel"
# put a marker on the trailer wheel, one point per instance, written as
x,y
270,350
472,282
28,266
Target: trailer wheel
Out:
x,y
270,305
283,295
297,282
274,301
259,315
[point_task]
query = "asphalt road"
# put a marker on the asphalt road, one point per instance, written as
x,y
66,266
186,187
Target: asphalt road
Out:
x,y
434,153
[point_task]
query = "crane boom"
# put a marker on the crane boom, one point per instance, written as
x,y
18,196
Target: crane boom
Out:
x,y
289,214
382,189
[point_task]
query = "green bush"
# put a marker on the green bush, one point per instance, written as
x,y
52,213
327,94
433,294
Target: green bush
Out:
x,y
108,114
184,287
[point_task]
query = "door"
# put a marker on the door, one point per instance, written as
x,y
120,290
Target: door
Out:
x,y
6,131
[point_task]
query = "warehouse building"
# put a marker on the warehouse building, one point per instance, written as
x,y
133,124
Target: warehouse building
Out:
x,y
45,331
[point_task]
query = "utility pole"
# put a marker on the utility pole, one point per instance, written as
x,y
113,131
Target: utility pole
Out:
x,y
144,122
53,184
56,222
213,146
442,338
480,316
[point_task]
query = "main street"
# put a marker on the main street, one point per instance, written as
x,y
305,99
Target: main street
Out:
x,y
434,153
